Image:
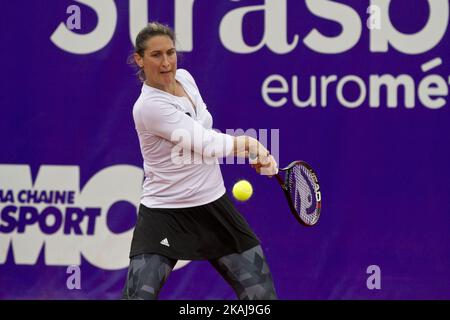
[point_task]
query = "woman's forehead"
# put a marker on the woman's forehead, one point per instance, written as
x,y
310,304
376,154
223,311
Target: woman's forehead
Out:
x,y
160,42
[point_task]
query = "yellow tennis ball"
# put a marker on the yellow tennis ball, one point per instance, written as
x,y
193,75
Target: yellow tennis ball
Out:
x,y
242,190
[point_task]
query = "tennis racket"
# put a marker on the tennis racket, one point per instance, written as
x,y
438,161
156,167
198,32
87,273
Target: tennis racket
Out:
x,y
302,191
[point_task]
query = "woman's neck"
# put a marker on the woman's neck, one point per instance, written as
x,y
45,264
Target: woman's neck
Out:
x,y
170,88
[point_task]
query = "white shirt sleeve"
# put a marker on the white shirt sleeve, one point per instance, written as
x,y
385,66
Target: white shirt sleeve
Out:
x,y
165,120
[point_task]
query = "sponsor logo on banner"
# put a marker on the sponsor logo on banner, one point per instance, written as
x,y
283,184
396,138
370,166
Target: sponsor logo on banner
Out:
x,y
383,33
278,90
54,215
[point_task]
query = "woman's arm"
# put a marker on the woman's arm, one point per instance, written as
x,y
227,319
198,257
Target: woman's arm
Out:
x,y
244,146
260,158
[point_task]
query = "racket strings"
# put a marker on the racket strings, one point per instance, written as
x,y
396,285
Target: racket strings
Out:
x,y
301,184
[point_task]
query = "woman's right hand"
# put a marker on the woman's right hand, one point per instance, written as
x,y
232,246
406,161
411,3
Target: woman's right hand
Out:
x,y
259,156
265,165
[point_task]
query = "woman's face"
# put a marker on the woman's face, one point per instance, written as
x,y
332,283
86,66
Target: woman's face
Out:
x,y
159,62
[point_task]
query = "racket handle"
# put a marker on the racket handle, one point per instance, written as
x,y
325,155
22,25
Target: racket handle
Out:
x,y
280,180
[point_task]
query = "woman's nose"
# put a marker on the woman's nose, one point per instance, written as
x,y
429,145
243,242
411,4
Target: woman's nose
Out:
x,y
165,62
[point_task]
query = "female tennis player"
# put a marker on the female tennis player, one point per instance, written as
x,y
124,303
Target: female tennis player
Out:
x,y
184,211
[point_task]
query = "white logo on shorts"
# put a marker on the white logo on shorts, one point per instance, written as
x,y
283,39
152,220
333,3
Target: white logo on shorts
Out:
x,y
165,242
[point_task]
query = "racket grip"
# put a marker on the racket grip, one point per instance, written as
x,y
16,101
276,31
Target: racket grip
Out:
x,y
280,180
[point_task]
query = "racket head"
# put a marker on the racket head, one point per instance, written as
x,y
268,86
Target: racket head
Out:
x,y
302,189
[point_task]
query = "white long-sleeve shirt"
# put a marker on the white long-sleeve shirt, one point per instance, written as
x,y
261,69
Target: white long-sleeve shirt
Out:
x,y
179,147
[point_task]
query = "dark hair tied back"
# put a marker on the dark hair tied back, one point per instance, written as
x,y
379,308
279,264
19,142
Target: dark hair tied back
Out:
x,y
151,30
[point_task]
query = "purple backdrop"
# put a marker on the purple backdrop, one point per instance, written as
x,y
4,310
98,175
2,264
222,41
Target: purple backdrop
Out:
x,y
67,127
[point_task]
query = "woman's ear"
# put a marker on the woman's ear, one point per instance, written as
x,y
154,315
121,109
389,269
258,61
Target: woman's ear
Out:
x,y
138,59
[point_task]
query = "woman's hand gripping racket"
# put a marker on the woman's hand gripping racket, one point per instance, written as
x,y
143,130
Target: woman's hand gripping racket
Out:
x,y
302,191
300,186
